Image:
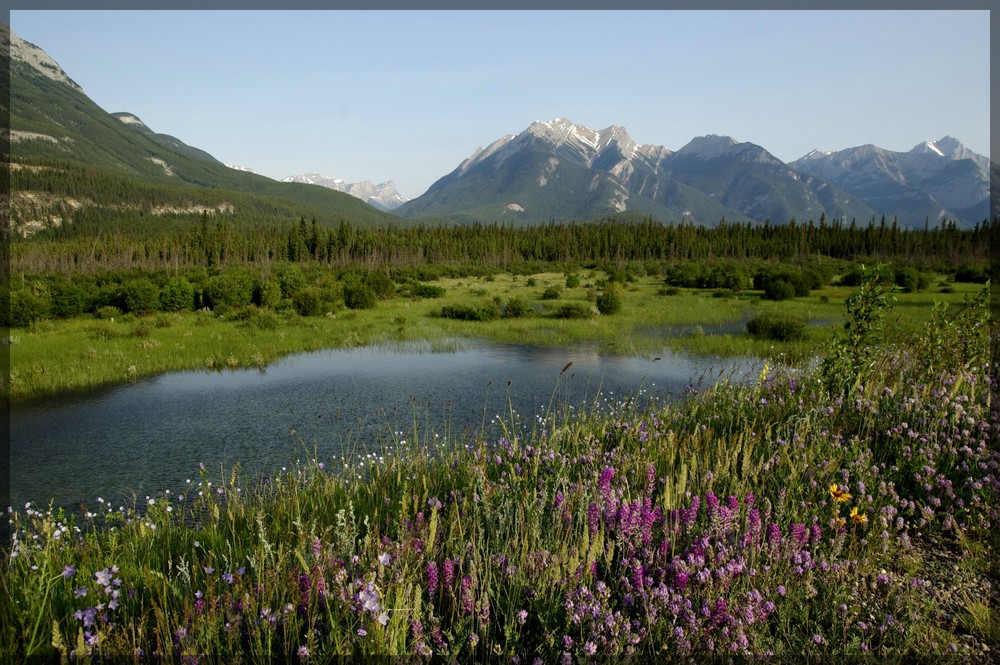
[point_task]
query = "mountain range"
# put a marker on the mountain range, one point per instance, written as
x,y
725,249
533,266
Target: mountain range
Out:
x,y
68,154
561,170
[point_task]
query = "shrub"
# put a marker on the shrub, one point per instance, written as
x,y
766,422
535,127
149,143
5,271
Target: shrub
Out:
x,y
910,279
777,327
779,289
26,307
971,274
573,311
232,289
309,301
572,281
551,293
359,296
258,318
514,308
427,291
69,300
470,312
608,303
267,293
177,295
107,312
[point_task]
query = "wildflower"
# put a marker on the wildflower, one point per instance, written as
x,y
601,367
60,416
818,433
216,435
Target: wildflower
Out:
x,y
839,522
209,570
80,593
68,572
383,618
522,616
838,494
303,652
590,648
859,518
362,632
384,558
228,577
432,577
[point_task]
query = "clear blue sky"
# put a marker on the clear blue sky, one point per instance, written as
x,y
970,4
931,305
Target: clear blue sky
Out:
x,y
407,95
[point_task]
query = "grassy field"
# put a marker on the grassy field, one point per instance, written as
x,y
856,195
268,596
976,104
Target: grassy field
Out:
x,y
59,356
846,512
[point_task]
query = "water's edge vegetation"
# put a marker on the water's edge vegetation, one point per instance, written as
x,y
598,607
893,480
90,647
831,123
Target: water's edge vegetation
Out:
x,y
847,510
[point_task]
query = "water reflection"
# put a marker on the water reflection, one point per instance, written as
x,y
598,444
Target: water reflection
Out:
x,y
150,436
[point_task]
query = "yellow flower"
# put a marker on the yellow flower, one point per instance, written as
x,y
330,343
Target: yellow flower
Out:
x,y
860,518
839,521
838,494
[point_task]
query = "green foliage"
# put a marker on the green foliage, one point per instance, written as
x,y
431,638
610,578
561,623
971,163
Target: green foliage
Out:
x,y
107,312
26,306
853,356
309,301
231,289
177,295
486,312
267,292
910,279
609,302
140,296
551,293
572,280
421,290
574,311
779,289
971,274
515,308
777,327
359,295
783,283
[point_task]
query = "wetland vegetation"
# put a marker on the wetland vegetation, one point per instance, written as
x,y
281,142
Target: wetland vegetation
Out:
x,y
843,503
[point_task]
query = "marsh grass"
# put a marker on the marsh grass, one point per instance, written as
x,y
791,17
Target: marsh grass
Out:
x,y
775,517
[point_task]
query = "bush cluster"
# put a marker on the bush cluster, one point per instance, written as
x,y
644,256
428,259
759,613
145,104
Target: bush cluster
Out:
x,y
777,327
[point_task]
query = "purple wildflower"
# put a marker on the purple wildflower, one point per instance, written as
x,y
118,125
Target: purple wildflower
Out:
x,y
448,572
432,577
69,571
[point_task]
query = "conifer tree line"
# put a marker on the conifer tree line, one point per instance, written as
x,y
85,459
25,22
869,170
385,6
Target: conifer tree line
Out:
x,y
217,241
309,268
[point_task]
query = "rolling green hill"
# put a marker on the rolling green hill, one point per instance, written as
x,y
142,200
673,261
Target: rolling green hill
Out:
x,y
68,154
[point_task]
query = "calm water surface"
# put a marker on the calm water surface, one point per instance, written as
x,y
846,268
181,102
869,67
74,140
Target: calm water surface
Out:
x,y
143,438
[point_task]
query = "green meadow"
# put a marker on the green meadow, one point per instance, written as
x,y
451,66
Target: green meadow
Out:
x,y
53,356
847,511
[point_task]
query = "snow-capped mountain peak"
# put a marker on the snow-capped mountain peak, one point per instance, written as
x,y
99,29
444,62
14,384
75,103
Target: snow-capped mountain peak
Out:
x,y
382,196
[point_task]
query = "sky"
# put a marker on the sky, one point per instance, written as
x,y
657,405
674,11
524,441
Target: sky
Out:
x,y
408,95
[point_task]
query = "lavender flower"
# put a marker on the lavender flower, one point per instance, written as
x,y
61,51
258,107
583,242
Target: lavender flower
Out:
x,y
432,577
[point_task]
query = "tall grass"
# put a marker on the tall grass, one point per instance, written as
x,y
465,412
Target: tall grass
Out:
x,y
780,517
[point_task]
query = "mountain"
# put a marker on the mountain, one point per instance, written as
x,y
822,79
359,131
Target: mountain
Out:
x,y
382,196
935,180
69,155
563,171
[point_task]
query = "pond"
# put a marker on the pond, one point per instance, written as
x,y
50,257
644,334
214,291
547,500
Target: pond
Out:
x,y
143,438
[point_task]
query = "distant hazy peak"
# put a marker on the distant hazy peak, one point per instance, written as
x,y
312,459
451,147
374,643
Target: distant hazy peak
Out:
x,y
36,57
709,146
